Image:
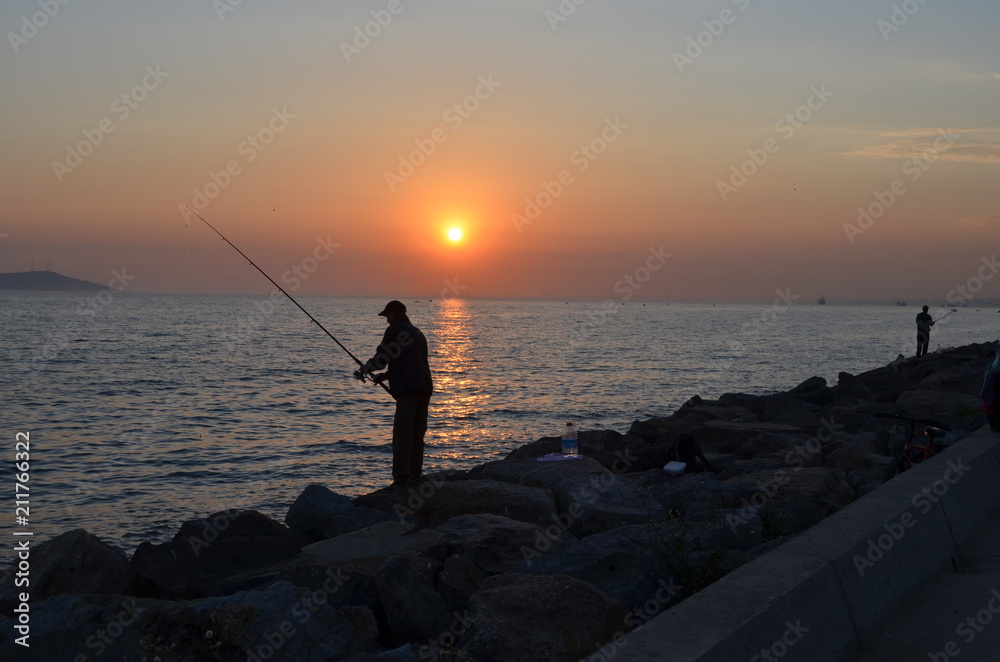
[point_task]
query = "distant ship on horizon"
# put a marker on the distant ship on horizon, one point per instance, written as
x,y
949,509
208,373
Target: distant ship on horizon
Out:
x,y
822,300
900,302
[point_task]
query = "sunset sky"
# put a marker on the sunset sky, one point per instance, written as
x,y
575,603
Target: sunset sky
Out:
x,y
663,150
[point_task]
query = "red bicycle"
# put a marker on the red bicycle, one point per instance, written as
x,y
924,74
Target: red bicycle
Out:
x,y
916,449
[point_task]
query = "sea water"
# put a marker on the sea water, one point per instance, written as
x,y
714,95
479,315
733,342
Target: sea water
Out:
x,y
145,411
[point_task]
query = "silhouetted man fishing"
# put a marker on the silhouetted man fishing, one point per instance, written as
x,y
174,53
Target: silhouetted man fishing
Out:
x,y
403,351
924,324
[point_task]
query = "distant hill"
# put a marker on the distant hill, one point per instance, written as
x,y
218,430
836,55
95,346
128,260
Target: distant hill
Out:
x,y
45,281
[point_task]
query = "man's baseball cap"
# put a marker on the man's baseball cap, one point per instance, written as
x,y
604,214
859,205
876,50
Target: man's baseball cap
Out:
x,y
393,307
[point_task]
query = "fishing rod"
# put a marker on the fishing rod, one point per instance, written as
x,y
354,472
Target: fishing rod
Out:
x,y
358,374
945,315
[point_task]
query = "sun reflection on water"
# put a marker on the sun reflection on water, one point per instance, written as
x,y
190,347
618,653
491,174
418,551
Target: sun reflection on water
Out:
x,y
456,425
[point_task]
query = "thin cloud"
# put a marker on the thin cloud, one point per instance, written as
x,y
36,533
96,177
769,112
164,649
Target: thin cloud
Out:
x,y
986,76
971,145
954,71
987,223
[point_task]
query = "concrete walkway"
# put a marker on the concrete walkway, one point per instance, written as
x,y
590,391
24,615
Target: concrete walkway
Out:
x,y
925,546
956,616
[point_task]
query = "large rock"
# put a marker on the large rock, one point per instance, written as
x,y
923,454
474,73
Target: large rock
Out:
x,y
673,493
743,468
622,456
340,586
792,500
851,388
279,623
853,454
781,404
651,431
74,562
591,503
542,618
71,628
750,402
728,436
866,479
659,431
894,378
651,457
799,418
366,550
624,563
537,448
493,544
221,554
960,411
813,390
702,547
535,505
940,363
320,514
430,503
716,533
704,412
961,377
770,442
537,474
458,580
650,478
715,495
415,612
294,623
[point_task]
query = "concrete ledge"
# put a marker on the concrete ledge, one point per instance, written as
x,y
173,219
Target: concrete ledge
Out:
x,y
829,593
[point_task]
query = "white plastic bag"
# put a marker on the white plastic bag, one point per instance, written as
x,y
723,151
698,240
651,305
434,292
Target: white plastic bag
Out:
x,y
674,468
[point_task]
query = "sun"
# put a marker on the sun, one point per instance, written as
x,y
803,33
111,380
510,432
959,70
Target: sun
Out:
x,y
455,234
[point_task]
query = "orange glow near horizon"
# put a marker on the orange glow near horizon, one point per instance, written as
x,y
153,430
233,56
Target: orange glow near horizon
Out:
x,y
562,179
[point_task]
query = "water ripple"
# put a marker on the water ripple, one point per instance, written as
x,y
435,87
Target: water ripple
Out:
x,y
157,417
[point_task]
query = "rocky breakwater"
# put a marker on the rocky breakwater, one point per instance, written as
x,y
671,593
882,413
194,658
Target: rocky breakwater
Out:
x,y
517,559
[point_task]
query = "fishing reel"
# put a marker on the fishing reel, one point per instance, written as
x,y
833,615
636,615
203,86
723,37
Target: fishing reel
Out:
x,y
363,376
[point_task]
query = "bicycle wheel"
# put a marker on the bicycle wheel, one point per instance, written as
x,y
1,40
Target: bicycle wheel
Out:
x,y
896,467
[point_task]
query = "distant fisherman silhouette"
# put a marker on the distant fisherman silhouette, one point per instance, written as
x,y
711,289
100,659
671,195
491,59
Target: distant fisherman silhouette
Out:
x,y
403,351
924,324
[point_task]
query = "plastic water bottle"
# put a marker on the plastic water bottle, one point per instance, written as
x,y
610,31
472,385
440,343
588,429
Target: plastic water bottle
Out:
x,y
569,440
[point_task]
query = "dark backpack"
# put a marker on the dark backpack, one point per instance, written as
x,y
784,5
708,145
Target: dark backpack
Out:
x,y
686,450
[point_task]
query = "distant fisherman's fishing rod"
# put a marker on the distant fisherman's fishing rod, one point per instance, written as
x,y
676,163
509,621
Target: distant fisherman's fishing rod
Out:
x,y
282,290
